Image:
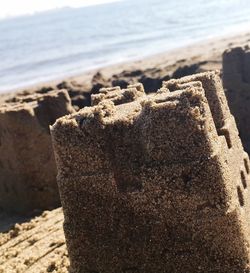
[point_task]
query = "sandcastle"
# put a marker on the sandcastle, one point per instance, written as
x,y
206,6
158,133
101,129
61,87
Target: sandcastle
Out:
x,y
27,164
236,81
155,183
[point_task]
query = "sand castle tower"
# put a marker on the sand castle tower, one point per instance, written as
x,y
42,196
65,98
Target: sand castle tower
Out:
x,y
155,183
27,164
236,81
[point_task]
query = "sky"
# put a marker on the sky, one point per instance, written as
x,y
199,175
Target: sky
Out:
x,y
21,7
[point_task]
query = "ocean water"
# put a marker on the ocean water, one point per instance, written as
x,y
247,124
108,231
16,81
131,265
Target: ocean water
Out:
x,y
69,41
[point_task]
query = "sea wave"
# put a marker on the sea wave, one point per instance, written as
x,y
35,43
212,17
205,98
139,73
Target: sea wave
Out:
x,y
70,41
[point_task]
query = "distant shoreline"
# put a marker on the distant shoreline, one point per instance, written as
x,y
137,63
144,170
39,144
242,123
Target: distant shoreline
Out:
x,y
209,48
9,15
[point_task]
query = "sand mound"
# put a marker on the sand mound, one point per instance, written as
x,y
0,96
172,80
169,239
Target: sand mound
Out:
x,y
37,246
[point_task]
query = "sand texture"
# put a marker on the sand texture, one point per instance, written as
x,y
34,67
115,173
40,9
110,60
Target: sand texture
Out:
x,y
27,165
236,80
38,245
154,183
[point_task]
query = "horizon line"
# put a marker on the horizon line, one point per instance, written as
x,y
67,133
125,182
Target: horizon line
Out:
x,y
68,6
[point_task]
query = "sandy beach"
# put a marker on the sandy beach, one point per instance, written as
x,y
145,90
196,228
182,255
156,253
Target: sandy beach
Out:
x,y
197,57
39,245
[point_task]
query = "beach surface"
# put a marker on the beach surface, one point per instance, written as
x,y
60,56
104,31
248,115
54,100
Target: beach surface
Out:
x,y
197,57
38,245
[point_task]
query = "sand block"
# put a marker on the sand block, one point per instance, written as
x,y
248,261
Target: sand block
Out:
x,y
27,164
236,80
157,183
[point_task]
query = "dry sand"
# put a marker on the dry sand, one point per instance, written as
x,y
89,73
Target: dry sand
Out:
x,y
38,246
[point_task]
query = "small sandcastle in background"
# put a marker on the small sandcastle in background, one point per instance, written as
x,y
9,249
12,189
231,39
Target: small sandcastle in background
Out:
x,y
151,183
27,165
236,81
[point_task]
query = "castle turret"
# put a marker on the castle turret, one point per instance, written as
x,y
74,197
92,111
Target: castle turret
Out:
x,y
155,183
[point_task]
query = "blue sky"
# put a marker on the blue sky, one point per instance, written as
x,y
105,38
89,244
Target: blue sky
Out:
x,y
21,7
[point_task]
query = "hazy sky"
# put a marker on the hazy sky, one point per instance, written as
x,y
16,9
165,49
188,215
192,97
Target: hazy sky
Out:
x,y
19,7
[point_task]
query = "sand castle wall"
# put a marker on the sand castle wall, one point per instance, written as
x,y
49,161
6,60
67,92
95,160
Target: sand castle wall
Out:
x,y
154,183
236,80
27,164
